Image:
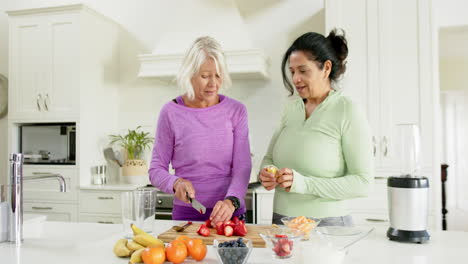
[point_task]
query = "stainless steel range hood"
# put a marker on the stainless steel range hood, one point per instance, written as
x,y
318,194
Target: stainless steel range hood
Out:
x,y
219,19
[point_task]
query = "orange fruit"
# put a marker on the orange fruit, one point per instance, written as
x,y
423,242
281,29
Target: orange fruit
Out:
x,y
153,255
197,249
184,239
176,251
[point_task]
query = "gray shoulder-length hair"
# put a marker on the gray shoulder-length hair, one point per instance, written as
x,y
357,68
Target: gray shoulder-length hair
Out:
x,y
202,49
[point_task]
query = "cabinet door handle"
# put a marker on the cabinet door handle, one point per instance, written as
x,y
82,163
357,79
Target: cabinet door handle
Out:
x,y
105,222
376,220
375,145
105,198
42,208
384,141
38,99
46,98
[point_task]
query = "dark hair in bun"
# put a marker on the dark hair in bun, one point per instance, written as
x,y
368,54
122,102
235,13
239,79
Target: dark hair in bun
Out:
x,y
319,48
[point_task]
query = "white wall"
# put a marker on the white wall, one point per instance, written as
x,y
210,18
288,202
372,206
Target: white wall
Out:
x,y
271,25
4,71
453,74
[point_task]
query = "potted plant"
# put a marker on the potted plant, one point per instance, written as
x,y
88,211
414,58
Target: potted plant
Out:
x,y
134,142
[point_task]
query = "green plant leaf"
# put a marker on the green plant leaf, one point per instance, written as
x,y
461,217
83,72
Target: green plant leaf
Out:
x,y
135,142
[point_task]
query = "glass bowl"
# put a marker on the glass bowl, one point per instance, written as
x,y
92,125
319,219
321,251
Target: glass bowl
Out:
x,y
234,253
301,223
282,241
342,237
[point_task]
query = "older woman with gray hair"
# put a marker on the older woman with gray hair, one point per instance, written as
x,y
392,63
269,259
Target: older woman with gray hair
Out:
x,y
204,135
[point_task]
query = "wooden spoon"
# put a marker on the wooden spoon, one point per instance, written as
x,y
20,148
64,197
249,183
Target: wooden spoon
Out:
x,y
181,228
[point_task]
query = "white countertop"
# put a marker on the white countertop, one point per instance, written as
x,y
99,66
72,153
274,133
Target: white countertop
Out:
x,y
92,243
111,187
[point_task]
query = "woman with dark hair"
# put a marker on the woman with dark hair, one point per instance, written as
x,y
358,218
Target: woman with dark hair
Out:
x,y
322,148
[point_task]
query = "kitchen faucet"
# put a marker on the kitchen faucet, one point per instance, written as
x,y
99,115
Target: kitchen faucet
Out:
x,y
15,212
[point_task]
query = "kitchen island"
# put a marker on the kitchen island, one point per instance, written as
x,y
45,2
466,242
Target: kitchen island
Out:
x,y
74,243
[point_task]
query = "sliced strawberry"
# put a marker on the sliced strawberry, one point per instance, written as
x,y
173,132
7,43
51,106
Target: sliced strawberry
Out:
x,y
286,248
228,230
240,229
208,223
229,223
280,236
236,220
203,230
219,228
291,243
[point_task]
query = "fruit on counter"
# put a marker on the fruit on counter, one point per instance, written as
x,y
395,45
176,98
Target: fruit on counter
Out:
x,y
233,251
120,248
197,249
219,228
302,223
133,246
272,169
203,230
184,239
136,230
208,223
228,230
136,256
153,255
147,240
176,251
283,246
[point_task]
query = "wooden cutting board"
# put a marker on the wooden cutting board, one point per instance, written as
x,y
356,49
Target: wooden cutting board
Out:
x,y
253,233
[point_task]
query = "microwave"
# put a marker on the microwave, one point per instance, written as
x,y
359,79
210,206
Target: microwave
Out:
x,y
48,143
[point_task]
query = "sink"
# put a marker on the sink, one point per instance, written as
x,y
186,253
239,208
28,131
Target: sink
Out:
x,y
33,225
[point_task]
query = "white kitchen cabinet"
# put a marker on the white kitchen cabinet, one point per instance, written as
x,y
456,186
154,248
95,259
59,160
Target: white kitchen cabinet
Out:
x,y
49,189
44,66
390,74
100,206
53,211
64,67
264,205
389,70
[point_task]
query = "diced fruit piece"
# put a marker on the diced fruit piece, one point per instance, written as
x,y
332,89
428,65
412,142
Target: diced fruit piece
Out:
x,y
236,220
203,230
228,231
240,229
229,223
219,228
208,223
272,169
279,236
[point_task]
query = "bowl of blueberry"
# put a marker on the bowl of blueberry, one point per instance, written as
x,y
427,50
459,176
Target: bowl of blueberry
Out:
x,y
235,251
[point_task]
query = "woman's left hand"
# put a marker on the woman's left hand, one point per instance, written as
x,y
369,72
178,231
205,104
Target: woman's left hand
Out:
x,y
222,211
285,179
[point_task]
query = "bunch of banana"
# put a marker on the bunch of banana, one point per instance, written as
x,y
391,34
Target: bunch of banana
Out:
x,y
134,247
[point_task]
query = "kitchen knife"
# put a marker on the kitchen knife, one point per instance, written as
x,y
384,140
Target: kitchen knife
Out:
x,y
196,204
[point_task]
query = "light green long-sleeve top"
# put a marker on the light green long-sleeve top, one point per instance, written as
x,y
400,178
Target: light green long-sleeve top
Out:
x,y
330,154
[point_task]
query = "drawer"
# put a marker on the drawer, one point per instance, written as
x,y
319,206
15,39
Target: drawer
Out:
x,y
100,202
53,211
100,219
49,189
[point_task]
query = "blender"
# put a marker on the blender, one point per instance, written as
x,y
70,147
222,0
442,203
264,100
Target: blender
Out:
x,y
408,193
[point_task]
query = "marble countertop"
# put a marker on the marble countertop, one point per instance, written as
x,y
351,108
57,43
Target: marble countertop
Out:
x,y
92,243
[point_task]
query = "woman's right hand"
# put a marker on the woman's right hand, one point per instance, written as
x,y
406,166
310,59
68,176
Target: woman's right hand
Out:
x,y
268,179
181,187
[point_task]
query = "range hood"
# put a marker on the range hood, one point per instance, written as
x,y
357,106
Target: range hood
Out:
x,y
220,20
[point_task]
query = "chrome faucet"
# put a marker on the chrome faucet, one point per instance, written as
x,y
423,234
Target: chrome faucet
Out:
x,y
15,230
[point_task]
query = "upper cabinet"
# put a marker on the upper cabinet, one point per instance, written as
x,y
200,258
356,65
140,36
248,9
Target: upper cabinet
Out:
x,y
389,71
44,66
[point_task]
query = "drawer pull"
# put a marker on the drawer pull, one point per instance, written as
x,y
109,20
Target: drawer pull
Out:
x,y
380,177
42,208
105,198
105,222
376,220
163,213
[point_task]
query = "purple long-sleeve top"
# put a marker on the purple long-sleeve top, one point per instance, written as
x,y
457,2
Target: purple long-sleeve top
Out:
x,y
207,146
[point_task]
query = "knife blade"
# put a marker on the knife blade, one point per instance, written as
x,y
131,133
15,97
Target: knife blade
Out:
x,y
196,204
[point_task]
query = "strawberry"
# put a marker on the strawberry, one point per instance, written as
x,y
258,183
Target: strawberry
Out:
x,y
219,228
208,223
203,230
228,230
280,236
236,220
229,223
240,229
